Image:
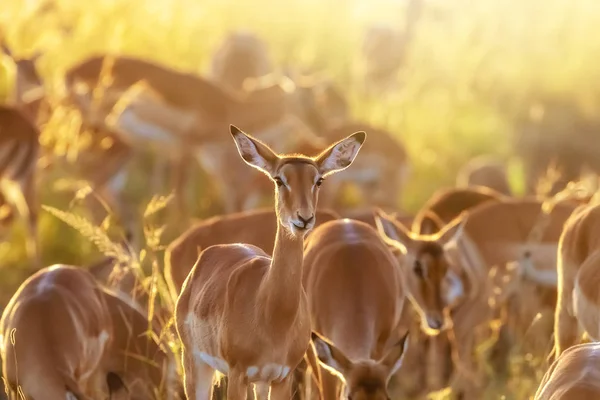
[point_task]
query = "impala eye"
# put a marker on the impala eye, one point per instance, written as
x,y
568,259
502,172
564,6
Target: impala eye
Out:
x,y
278,181
319,182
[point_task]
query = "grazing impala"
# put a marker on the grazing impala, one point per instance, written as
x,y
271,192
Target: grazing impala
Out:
x,y
256,227
578,307
19,149
54,333
152,104
242,55
147,368
356,294
573,376
484,171
243,313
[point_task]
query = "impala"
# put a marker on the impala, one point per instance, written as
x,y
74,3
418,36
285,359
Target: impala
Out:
x,y
578,307
481,253
434,374
573,376
240,56
54,333
256,227
152,104
356,294
446,295
484,171
146,367
19,149
243,313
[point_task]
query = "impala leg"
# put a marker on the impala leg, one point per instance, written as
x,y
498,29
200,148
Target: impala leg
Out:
x,y
282,390
261,391
197,378
237,386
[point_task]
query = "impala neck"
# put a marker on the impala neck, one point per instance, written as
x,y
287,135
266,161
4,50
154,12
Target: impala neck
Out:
x,y
282,287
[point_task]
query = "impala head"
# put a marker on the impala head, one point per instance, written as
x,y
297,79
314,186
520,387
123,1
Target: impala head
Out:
x,y
365,379
297,178
433,286
242,55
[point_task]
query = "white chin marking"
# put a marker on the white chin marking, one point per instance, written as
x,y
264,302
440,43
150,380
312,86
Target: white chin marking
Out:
x,y
71,396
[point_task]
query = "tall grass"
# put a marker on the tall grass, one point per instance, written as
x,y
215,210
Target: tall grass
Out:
x,y
466,57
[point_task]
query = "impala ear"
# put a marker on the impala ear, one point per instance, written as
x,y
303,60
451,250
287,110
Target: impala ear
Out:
x,y
453,230
392,232
330,357
392,361
340,155
254,152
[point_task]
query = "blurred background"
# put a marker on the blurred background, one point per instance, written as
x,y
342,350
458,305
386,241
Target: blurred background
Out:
x,y
440,83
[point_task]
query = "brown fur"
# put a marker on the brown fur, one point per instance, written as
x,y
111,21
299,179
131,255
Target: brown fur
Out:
x,y
256,227
142,363
49,355
356,294
512,222
575,375
367,215
447,204
241,309
578,279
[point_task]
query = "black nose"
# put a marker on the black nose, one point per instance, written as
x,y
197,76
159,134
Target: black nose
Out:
x,y
305,221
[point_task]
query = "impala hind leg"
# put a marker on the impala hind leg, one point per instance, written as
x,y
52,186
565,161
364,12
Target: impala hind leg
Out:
x,y
197,378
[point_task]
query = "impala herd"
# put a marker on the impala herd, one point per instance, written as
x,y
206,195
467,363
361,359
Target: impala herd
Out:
x,y
311,299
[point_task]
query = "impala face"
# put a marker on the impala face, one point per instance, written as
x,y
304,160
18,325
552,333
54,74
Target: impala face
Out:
x,y
364,379
433,287
297,178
